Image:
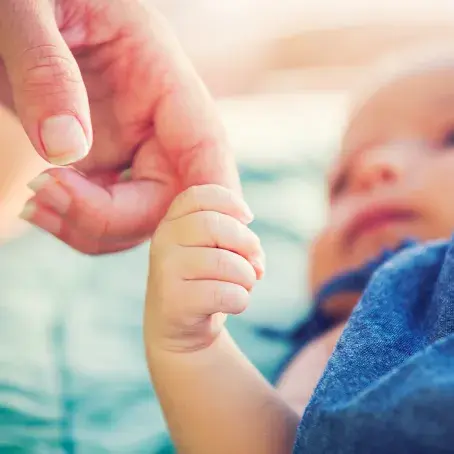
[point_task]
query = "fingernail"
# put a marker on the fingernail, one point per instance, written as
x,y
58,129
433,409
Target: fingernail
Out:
x,y
39,182
64,140
259,266
44,219
28,211
51,193
248,215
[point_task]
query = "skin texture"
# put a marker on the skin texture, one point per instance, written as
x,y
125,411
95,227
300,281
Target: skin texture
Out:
x,y
116,68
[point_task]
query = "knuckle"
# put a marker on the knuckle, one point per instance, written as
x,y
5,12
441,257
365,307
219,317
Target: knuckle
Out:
x,y
45,70
221,264
211,225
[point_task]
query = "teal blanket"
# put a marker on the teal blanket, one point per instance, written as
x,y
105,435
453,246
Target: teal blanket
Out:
x,y
72,372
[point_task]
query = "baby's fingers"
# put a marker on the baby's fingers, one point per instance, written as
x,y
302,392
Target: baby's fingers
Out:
x,y
202,264
212,297
216,230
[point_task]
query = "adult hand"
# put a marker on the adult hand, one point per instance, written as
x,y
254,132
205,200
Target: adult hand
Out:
x,y
112,67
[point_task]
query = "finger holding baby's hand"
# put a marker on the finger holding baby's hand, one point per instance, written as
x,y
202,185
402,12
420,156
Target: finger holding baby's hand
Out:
x,y
204,262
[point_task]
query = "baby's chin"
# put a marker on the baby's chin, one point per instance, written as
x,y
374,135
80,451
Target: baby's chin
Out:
x,y
369,246
331,260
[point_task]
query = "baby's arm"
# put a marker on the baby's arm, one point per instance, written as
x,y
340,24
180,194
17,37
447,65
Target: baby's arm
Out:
x,y
204,261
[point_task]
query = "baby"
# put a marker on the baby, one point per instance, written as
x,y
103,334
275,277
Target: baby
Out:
x,y
384,372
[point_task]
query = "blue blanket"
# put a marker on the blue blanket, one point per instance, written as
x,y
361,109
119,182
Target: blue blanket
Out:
x,y
389,386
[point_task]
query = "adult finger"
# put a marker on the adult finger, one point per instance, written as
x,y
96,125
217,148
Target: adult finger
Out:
x,y
103,216
48,91
186,122
47,219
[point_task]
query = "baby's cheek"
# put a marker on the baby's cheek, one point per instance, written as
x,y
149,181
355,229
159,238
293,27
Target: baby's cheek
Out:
x,y
323,259
439,189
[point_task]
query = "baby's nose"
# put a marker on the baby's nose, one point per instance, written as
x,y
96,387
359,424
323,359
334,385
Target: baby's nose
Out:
x,y
379,167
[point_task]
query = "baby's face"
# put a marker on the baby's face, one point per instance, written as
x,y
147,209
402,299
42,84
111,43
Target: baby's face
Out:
x,y
395,176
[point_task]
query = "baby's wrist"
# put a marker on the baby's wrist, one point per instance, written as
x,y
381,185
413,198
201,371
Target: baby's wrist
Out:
x,y
159,352
185,337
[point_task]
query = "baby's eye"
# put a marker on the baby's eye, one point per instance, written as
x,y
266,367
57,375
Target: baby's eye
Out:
x,y
448,139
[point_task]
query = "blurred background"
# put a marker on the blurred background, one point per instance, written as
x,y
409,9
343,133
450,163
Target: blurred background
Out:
x,y
282,73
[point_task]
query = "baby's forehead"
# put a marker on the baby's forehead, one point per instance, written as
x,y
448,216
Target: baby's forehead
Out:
x,y
414,90
400,70
430,78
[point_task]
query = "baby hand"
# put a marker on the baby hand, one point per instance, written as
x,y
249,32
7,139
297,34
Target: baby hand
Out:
x,y
204,261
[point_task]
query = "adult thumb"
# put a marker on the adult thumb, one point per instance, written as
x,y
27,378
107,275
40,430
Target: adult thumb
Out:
x,y
47,87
